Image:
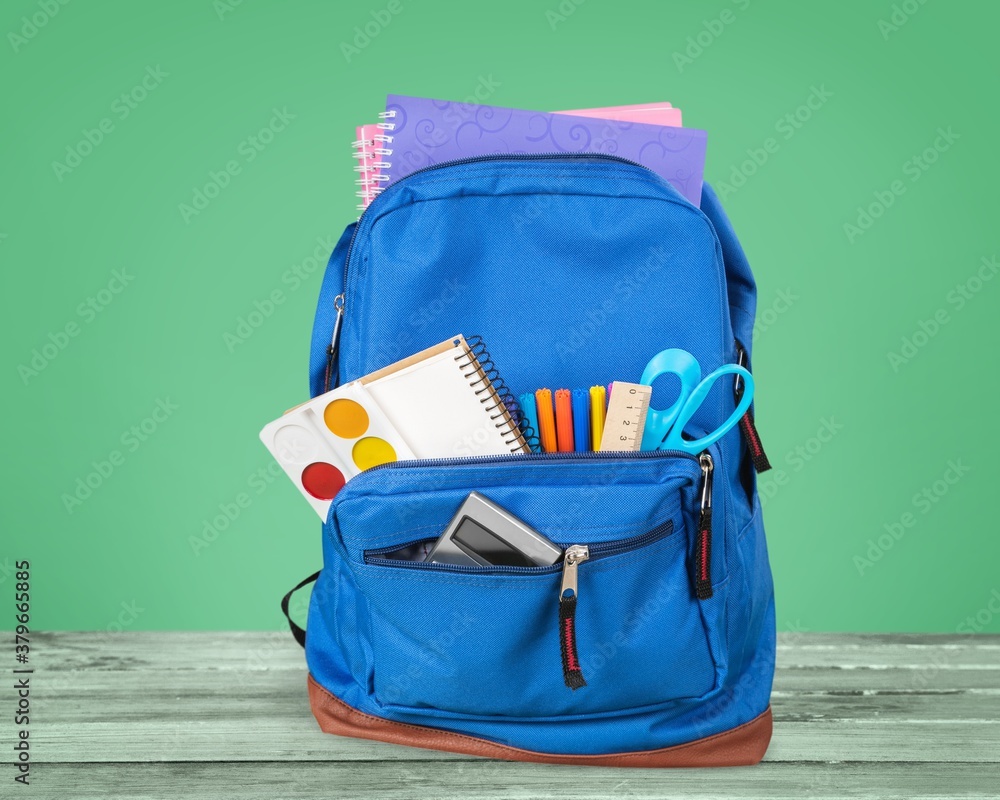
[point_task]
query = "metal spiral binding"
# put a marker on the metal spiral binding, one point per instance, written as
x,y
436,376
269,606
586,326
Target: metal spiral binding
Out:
x,y
482,373
373,175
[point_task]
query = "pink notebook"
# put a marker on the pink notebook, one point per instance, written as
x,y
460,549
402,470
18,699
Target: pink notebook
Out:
x,y
370,148
374,142
655,113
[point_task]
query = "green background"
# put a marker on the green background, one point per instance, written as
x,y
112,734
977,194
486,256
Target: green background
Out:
x,y
832,309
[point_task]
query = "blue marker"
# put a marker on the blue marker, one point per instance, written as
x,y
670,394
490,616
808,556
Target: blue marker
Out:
x,y
529,410
581,419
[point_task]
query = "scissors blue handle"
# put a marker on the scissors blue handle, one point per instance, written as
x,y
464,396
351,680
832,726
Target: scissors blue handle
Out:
x,y
663,427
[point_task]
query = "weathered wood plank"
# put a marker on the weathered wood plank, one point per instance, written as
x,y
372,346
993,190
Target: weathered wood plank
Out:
x,y
891,679
164,696
878,656
491,780
242,651
269,650
256,738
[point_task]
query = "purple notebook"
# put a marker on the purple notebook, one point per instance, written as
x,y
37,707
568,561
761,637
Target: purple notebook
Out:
x,y
427,132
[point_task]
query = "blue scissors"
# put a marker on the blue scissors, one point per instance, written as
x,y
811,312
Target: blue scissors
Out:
x,y
663,427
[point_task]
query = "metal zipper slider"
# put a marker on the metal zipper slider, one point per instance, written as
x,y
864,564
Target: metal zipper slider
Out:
x,y
703,545
574,555
707,466
572,672
333,349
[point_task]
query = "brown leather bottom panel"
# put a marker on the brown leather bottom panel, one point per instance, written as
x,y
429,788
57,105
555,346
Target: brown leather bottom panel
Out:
x,y
737,747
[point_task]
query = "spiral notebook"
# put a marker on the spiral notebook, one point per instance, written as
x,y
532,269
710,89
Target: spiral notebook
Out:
x,y
445,404
426,132
374,141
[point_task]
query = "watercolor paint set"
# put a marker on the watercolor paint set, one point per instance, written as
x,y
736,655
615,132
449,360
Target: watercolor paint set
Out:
x,y
324,443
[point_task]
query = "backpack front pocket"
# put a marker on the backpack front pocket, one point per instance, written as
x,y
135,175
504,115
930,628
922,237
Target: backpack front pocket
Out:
x,y
614,626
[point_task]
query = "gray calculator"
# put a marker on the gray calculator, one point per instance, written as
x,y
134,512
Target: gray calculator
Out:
x,y
483,534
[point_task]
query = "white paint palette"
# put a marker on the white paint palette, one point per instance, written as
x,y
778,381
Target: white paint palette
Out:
x,y
325,442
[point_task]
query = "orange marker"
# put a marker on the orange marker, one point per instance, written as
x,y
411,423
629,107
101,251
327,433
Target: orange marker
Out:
x,y
564,421
546,421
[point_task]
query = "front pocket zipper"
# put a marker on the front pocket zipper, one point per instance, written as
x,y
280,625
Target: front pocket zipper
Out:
x,y
573,556
380,556
572,674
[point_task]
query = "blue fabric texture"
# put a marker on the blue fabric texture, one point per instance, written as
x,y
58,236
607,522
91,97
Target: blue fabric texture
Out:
x,y
575,271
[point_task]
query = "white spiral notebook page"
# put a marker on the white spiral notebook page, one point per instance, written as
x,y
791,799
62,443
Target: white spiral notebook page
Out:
x,y
434,404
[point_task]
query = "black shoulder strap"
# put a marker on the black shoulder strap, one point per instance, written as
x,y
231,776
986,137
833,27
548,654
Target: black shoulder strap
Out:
x,y
297,632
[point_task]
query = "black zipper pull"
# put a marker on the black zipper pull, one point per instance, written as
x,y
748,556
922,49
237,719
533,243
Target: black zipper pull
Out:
x,y
703,542
750,435
333,349
572,674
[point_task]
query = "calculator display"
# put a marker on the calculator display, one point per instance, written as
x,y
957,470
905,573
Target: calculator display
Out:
x,y
474,539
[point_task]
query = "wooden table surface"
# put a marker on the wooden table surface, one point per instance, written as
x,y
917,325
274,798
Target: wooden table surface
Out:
x,y
212,715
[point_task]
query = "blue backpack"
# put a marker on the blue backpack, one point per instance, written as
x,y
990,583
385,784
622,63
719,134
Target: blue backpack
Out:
x,y
575,269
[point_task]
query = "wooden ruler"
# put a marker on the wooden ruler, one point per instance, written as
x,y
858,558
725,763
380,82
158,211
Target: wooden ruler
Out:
x,y
626,416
